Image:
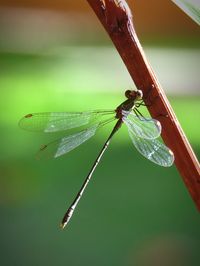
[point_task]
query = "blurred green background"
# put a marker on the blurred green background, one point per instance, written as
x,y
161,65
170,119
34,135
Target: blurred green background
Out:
x,y
57,57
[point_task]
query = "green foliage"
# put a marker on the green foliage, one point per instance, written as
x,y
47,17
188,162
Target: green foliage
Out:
x,y
130,201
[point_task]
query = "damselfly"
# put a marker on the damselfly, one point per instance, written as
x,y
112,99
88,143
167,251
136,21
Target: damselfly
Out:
x,y
143,133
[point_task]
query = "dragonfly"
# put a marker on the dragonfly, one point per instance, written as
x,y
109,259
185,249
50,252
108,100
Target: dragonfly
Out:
x,y
144,133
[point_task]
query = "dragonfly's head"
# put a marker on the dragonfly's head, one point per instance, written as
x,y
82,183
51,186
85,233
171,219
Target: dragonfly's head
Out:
x,y
135,95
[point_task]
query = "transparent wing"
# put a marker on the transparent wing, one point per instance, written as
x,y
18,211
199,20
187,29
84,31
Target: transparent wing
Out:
x,y
153,150
64,145
59,121
147,128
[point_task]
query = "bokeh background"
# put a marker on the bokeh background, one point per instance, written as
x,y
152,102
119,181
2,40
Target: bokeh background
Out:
x,y
55,56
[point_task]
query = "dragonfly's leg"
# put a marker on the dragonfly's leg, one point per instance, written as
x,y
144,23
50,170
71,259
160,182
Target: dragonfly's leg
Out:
x,y
148,102
142,103
139,114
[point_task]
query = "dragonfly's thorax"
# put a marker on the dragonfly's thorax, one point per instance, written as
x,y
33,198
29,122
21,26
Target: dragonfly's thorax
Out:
x,y
125,106
133,97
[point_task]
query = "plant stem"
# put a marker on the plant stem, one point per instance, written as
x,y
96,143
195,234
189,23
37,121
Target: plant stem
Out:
x,y
116,18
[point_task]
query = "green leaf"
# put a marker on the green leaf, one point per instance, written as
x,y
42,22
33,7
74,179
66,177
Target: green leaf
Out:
x,y
191,8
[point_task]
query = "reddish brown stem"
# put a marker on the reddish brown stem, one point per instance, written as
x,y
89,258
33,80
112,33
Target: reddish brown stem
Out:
x,y
116,18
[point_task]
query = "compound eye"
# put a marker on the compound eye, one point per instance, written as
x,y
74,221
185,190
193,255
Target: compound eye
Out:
x,y
128,94
139,94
